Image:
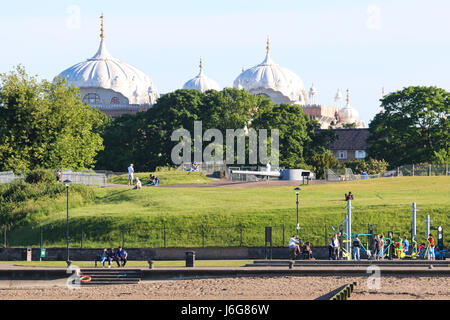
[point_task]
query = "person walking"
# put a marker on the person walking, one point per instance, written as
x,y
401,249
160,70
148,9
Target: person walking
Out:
x,y
356,248
130,175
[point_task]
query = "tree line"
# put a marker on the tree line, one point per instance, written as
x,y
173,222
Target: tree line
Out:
x,y
46,125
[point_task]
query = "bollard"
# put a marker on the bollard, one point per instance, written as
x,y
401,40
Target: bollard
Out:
x,y
29,254
190,259
150,264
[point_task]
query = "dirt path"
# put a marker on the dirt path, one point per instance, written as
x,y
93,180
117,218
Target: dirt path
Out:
x,y
256,288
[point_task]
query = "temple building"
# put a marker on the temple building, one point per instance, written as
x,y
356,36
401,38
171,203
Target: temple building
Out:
x,y
201,82
117,88
110,85
284,86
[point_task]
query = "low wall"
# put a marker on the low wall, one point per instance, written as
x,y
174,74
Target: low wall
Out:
x,y
144,254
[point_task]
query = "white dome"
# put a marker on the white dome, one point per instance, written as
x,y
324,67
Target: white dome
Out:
x,y
269,77
348,114
104,71
201,82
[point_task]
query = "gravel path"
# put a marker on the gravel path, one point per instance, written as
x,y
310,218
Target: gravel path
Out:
x,y
256,288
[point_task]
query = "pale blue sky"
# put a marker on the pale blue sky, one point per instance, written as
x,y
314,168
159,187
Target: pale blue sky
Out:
x,y
355,44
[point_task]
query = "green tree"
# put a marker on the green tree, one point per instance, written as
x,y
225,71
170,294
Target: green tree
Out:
x,y
322,161
414,128
292,124
45,125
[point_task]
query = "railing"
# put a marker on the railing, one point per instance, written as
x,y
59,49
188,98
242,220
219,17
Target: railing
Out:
x,y
345,174
166,235
87,178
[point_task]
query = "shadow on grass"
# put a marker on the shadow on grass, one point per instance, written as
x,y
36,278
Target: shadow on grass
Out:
x,y
114,197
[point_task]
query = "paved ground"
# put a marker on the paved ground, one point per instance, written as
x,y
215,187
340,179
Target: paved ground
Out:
x,y
228,184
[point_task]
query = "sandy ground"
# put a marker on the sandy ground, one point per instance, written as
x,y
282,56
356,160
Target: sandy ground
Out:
x,y
261,288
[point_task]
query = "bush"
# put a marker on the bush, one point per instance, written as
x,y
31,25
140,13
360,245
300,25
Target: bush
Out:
x,y
40,176
370,166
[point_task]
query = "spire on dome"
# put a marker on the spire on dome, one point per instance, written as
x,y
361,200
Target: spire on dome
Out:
x,y
201,65
313,94
338,98
267,60
102,52
348,97
102,30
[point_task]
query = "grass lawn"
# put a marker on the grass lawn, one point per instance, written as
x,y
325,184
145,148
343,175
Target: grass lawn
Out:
x,y
132,264
167,178
181,217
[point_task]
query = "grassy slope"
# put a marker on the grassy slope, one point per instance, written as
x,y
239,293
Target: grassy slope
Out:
x,y
190,213
167,178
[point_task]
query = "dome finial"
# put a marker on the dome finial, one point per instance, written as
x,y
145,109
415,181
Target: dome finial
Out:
x,y
268,45
201,65
102,30
348,97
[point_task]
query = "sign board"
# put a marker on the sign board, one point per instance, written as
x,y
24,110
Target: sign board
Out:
x,y
43,251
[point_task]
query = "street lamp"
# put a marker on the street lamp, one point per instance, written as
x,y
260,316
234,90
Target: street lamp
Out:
x,y
297,191
67,182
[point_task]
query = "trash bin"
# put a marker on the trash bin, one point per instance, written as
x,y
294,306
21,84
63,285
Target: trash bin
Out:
x,y
190,259
29,254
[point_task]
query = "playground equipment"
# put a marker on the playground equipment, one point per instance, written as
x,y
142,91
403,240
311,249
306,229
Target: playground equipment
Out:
x,y
391,248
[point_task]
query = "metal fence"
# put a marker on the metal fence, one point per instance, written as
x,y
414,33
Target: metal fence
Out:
x,y
205,167
167,236
87,178
346,174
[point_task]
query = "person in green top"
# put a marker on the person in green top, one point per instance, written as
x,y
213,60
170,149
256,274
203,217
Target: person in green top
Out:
x,y
399,249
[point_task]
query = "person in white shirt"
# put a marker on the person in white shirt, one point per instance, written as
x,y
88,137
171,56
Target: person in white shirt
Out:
x,y
294,246
336,245
138,185
130,174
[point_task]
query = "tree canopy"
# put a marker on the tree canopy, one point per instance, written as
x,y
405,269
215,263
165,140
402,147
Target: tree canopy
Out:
x,y
46,125
145,138
415,127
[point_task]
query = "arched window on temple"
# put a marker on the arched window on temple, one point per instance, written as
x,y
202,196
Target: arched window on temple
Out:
x,y
92,99
115,100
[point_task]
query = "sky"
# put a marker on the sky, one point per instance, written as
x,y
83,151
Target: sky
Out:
x,y
358,45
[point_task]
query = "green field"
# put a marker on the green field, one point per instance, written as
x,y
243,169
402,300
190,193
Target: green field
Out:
x,y
207,216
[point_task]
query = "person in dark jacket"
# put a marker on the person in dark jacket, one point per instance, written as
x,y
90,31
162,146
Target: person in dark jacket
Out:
x,y
121,256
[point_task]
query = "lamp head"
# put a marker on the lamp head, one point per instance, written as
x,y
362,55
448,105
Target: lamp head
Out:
x,y
67,182
297,190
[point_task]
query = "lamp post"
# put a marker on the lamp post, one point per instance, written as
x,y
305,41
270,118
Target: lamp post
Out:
x,y
67,182
297,192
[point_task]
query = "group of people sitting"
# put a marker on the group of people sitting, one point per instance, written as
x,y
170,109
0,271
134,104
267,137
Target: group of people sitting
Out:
x,y
194,168
153,181
120,256
295,250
